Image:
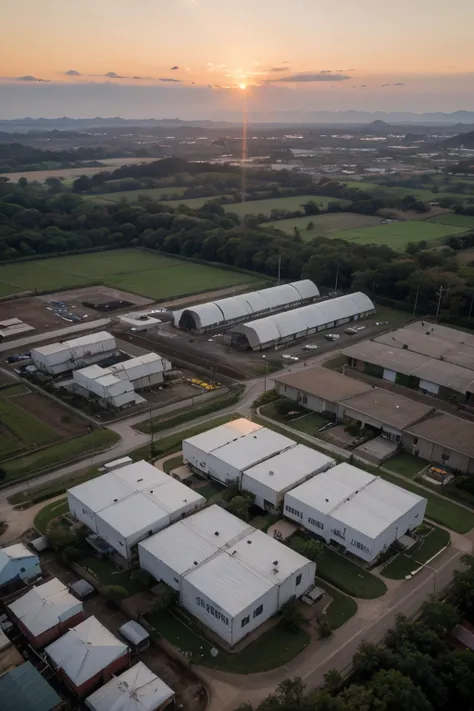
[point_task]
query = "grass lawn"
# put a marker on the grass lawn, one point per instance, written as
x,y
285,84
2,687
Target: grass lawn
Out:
x,y
294,202
450,218
36,494
405,563
341,608
272,649
59,454
351,578
308,423
150,274
210,490
106,573
173,463
324,225
405,464
19,430
194,203
187,414
398,234
441,510
398,192
133,195
50,511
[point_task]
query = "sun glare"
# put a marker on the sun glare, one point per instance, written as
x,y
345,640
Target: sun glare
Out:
x,y
242,86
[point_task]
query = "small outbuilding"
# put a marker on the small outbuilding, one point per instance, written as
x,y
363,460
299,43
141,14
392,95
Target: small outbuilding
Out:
x,y
137,689
24,689
18,565
45,612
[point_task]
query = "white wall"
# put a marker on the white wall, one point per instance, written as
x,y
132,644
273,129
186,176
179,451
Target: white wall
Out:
x,y
311,402
22,568
396,530
158,569
262,492
209,464
124,545
82,512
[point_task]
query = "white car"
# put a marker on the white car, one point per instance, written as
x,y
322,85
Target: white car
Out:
x,y
290,357
310,347
332,336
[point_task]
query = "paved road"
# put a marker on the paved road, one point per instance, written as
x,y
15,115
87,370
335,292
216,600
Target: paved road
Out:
x,y
371,623
21,343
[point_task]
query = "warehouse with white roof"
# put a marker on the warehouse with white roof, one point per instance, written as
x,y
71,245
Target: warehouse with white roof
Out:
x,y
229,575
136,689
354,510
224,452
287,327
271,479
110,390
45,612
235,309
63,356
130,504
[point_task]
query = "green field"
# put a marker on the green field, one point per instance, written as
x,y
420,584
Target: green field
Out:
x,y
149,274
398,234
193,203
133,195
397,192
294,202
324,225
20,431
404,563
450,218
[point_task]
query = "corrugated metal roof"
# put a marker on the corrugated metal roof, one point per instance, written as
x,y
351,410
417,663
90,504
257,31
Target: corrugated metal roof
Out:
x,y
101,492
172,496
141,475
273,328
289,468
85,650
180,547
215,525
133,514
217,437
81,342
45,606
24,688
329,489
254,448
137,689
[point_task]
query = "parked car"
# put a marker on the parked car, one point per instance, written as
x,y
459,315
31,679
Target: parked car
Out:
x,y
310,347
332,336
351,331
289,357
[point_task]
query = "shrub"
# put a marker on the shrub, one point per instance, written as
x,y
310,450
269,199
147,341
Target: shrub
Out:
x,y
115,593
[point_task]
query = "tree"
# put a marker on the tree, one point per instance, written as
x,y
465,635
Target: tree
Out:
x,y
310,208
463,589
392,691
311,549
166,599
440,617
115,593
239,506
324,629
291,614
310,226
332,680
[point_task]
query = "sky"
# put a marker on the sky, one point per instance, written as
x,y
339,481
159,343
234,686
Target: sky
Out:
x,y
205,58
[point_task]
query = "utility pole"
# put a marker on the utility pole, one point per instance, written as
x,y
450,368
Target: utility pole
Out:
x,y
337,279
440,295
374,284
264,358
416,300
279,268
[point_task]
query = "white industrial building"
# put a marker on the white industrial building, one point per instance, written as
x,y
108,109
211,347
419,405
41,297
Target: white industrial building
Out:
x,y
126,506
63,356
287,327
270,480
136,689
116,385
357,511
230,576
235,309
224,452
12,327
17,563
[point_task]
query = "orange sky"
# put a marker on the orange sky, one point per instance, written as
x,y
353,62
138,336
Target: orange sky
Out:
x,y
309,46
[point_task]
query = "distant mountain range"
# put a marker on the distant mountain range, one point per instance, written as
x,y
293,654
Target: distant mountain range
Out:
x,y
378,119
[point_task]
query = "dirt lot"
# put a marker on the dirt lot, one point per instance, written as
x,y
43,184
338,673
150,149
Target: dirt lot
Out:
x,y
183,682
60,420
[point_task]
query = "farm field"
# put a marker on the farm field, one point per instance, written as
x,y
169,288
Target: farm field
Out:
x,y
398,234
264,207
148,274
23,416
325,224
72,173
465,221
132,195
397,192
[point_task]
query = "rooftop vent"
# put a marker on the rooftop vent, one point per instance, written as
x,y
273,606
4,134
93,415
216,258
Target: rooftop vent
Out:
x,y
275,562
216,533
249,542
326,500
275,571
195,562
139,480
115,500
271,473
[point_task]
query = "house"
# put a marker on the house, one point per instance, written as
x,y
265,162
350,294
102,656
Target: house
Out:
x,y
18,565
137,689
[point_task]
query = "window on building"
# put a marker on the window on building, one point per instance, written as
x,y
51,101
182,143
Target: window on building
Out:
x,y
246,620
313,522
298,579
258,611
445,457
415,440
293,511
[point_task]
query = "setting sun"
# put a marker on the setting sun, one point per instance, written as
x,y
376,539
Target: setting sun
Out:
x,y
242,86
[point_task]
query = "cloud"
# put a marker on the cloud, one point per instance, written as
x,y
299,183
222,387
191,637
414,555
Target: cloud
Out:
x,y
385,85
399,83
279,69
73,73
113,75
31,78
306,78
174,69
285,62
326,71
362,86
170,80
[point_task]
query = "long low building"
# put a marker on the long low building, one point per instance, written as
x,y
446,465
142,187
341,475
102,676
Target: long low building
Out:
x,y
354,510
125,506
63,356
45,612
229,575
419,372
287,327
443,439
235,309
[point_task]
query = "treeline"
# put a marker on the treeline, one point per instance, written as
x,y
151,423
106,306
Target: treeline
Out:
x,y
418,667
35,222
16,157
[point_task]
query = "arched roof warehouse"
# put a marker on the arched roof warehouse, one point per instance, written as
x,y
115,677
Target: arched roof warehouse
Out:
x,y
215,314
266,332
